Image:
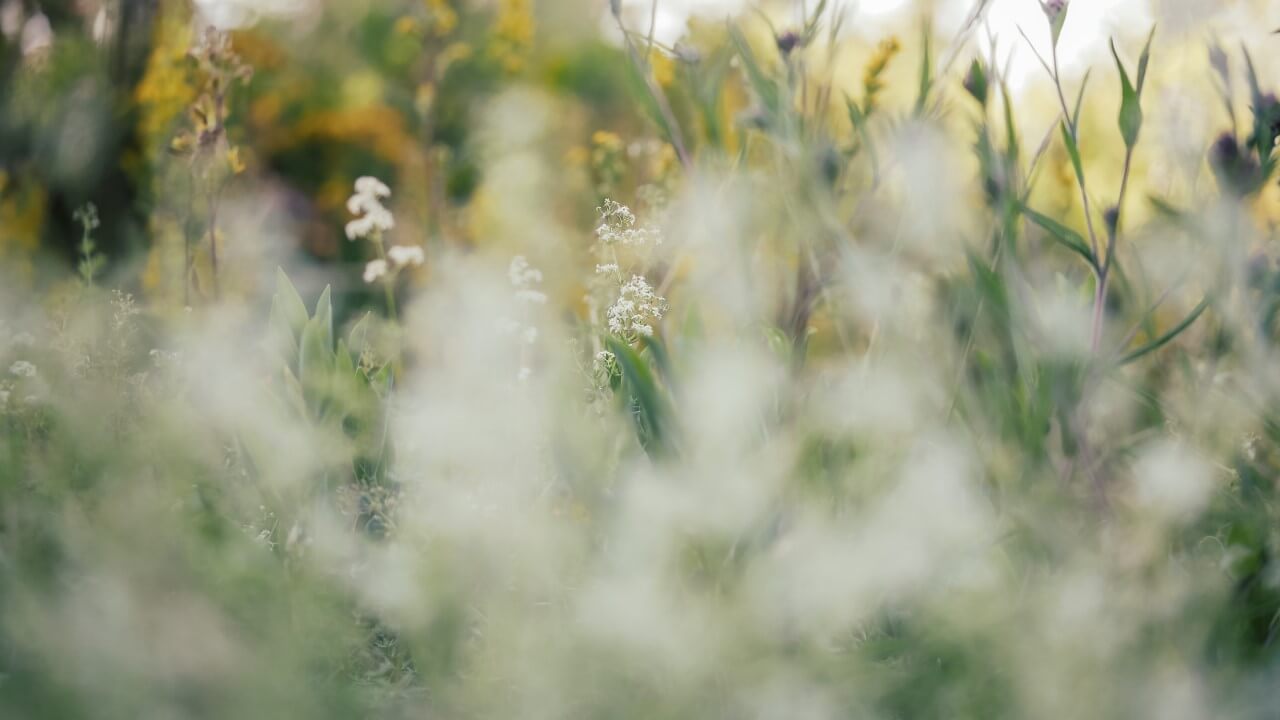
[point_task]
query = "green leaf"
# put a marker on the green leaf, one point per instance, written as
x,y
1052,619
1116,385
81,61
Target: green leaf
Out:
x,y
1074,151
323,316
1064,235
1167,337
345,364
645,401
281,339
1145,59
764,87
926,69
1130,107
358,336
1075,114
292,309
976,82
293,391
315,365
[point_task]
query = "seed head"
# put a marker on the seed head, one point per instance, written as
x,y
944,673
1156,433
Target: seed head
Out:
x,y
787,42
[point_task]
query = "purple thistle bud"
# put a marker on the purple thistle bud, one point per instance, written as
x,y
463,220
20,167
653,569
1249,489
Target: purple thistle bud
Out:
x,y
1236,172
1112,217
787,42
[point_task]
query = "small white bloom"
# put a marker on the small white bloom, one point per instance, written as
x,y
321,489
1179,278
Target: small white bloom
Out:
x,y
22,368
375,270
366,205
37,34
11,18
607,269
405,255
372,186
636,308
618,227
522,274
531,297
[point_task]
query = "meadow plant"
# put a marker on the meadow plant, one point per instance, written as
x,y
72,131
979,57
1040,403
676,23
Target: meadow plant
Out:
x,y
797,367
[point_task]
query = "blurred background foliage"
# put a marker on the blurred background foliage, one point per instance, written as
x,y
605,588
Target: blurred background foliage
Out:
x,y
886,438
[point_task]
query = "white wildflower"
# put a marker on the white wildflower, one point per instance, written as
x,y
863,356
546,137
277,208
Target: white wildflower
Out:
x,y
11,19
618,227
607,269
405,255
523,277
523,274
637,308
366,205
22,368
375,270
37,34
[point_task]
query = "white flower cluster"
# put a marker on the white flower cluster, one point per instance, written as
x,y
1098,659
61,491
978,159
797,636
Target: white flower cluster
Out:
x,y
618,227
637,308
366,205
523,278
22,368
398,258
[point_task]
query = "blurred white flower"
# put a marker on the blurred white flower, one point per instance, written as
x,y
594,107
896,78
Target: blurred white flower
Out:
x,y
1172,480
375,270
22,368
37,34
405,255
636,308
11,18
523,277
366,205
103,26
618,227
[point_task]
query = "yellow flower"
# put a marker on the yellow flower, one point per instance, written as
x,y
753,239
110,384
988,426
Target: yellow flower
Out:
x,y
235,161
664,68
873,75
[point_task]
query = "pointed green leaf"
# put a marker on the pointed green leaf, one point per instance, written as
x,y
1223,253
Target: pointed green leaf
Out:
x,y
1073,151
315,365
926,69
1145,59
1075,114
1167,337
764,87
358,336
324,317
290,303
1130,108
281,338
1061,234
645,401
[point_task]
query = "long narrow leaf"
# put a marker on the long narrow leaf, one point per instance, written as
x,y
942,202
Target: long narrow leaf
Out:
x,y
1167,337
1062,234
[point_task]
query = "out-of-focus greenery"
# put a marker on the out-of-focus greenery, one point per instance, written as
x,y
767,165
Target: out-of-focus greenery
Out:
x,y
422,359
